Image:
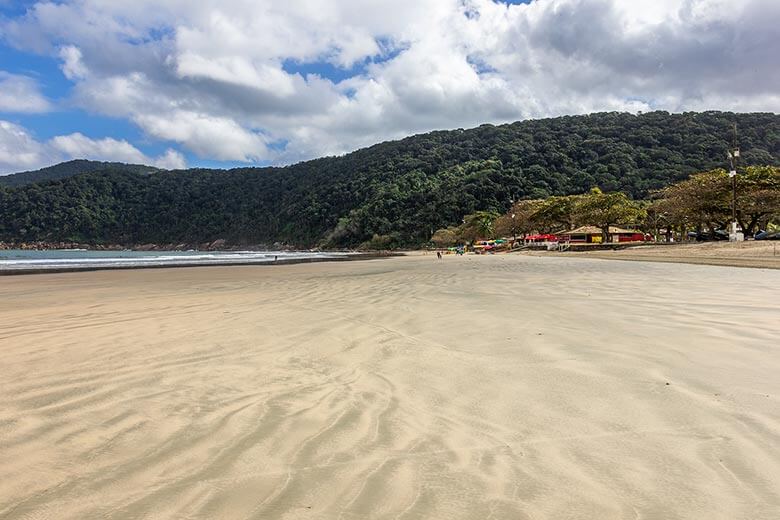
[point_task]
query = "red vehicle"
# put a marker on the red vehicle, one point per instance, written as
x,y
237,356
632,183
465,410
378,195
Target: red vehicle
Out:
x,y
544,237
635,237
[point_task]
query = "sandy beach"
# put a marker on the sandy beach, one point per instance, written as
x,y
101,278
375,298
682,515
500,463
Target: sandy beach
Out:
x,y
506,386
760,254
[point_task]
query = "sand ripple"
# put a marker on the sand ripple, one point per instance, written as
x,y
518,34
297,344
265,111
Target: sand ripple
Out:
x,y
495,387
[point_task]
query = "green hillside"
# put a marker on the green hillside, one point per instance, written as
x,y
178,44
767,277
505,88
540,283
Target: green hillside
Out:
x,y
402,189
69,169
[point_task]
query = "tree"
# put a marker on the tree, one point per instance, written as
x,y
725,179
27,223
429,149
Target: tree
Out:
x,y
607,209
445,237
479,225
520,219
704,200
658,215
555,213
758,196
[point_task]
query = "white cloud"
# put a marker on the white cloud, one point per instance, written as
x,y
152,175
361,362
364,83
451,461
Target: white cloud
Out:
x,y
78,145
19,150
212,75
107,149
236,70
208,136
21,94
170,160
72,65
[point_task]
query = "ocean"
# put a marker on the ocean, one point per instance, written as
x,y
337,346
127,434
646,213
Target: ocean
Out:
x,y
68,259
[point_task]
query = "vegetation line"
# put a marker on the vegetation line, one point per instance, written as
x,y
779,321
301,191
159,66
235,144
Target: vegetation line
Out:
x,y
397,194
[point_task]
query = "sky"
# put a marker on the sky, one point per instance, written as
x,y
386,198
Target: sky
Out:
x,y
224,83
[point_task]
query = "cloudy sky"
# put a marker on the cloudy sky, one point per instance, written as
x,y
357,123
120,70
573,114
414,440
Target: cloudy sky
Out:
x,y
222,83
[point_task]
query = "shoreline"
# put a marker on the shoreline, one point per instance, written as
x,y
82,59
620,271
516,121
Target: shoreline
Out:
x,y
682,253
285,261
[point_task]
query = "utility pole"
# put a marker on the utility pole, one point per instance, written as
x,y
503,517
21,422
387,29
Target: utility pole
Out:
x,y
733,154
514,233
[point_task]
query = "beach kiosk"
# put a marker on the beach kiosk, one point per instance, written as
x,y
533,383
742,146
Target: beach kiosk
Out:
x,y
593,235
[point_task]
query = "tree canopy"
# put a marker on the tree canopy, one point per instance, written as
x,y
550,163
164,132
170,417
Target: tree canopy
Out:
x,y
704,200
562,213
607,209
69,169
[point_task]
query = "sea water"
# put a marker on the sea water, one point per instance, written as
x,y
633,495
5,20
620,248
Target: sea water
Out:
x,y
57,259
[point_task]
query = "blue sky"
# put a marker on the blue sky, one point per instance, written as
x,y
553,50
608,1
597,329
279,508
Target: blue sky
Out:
x,y
230,83
66,118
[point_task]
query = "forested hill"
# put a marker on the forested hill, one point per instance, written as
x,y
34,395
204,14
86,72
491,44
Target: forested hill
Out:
x,y
402,189
69,169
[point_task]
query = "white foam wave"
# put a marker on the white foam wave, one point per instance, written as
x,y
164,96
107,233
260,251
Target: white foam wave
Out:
x,y
47,260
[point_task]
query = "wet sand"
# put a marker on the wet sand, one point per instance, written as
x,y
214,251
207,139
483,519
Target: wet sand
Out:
x,y
504,386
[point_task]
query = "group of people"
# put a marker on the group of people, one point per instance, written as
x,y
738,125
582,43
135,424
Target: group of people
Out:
x,y
458,251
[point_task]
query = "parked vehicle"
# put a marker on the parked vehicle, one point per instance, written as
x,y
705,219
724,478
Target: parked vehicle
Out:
x,y
766,235
707,236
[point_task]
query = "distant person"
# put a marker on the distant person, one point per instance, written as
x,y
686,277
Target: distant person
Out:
x,y
438,255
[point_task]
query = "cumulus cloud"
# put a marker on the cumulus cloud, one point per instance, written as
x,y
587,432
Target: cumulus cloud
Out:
x,y
107,149
72,65
19,150
225,78
78,145
170,160
208,136
21,94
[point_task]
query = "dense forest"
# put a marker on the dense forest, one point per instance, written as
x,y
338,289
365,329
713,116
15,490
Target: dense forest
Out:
x,y
401,191
69,169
